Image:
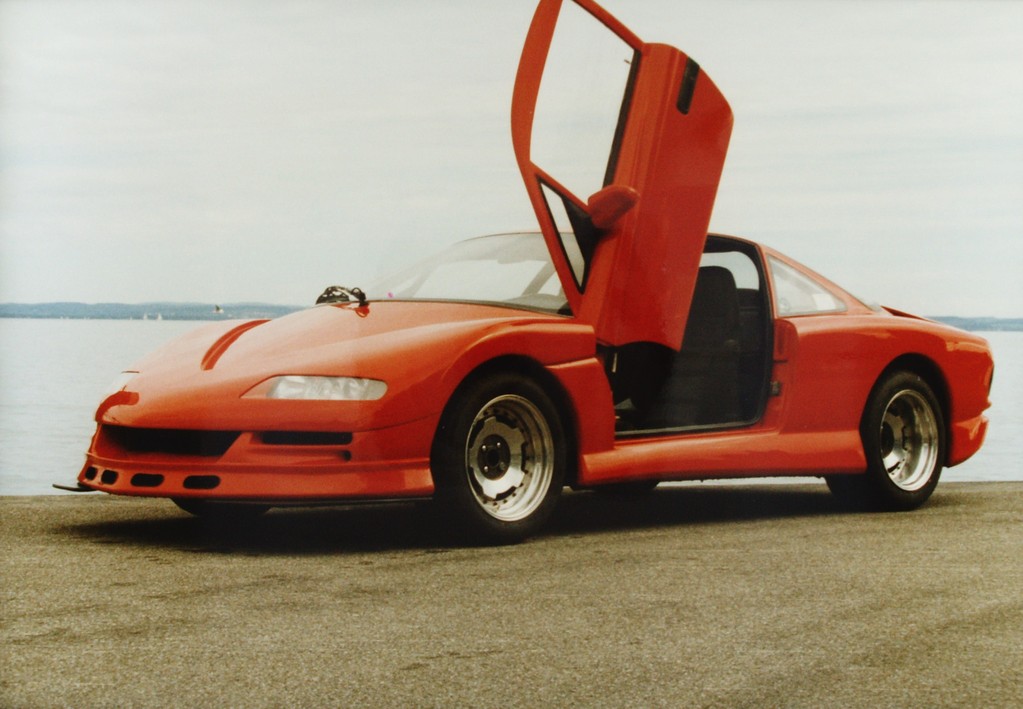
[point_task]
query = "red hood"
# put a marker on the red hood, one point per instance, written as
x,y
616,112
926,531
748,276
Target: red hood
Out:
x,y
199,380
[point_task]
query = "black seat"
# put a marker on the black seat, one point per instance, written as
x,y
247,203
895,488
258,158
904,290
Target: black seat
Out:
x,y
702,387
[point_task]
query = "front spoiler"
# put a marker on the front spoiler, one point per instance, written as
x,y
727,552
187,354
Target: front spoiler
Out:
x,y
279,484
78,487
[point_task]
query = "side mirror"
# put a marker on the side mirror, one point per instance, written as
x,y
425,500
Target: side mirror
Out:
x,y
610,204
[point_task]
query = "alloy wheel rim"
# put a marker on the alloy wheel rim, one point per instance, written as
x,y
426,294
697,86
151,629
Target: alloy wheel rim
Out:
x,y
509,458
909,440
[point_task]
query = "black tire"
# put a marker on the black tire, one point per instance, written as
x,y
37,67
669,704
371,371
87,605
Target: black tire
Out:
x,y
903,434
221,511
499,459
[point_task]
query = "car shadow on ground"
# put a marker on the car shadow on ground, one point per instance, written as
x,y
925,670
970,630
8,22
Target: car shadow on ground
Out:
x,y
384,527
708,503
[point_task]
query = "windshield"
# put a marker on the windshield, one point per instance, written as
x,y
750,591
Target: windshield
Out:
x,y
511,269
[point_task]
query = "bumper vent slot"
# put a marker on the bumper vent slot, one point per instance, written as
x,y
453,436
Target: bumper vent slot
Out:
x,y
146,480
305,438
201,482
171,441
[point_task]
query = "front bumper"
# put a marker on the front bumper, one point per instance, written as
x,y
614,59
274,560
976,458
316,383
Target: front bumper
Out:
x,y
286,467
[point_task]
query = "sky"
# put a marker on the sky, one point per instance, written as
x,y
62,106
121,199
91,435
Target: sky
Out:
x,y
227,151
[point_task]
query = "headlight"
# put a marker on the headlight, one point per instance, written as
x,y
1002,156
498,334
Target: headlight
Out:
x,y
324,388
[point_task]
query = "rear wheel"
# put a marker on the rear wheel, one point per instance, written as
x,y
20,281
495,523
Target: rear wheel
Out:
x,y
903,436
499,458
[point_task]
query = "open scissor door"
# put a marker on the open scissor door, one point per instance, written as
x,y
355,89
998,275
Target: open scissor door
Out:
x,y
621,145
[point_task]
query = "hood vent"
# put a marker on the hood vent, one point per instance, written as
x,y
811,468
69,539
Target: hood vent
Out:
x,y
219,347
305,438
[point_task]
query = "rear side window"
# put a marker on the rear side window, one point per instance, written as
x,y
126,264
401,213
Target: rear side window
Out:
x,y
798,294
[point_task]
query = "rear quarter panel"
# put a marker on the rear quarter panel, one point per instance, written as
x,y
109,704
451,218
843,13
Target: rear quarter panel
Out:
x,y
841,357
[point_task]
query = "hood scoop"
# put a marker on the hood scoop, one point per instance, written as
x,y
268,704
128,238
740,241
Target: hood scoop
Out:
x,y
219,347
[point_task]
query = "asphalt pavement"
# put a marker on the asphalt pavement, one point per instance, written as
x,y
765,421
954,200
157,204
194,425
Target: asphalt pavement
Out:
x,y
707,595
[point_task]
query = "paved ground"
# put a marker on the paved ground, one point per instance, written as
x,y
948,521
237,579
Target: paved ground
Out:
x,y
707,596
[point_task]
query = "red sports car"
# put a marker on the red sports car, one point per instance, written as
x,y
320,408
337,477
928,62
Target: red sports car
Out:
x,y
618,347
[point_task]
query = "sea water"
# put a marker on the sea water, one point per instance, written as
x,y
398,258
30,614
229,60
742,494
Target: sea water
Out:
x,y
53,373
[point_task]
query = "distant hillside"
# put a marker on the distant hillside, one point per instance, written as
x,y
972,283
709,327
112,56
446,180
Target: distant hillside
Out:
x,y
144,311
232,311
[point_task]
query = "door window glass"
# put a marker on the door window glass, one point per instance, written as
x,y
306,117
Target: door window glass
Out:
x,y
577,234
580,101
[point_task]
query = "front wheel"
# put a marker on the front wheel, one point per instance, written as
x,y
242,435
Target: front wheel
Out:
x,y
499,458
903,436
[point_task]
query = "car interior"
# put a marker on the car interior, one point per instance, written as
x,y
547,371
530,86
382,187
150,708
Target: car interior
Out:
x,y
720,376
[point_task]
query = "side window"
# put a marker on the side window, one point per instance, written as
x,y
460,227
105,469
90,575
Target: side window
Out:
x,y
744,271
797,294
749,307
